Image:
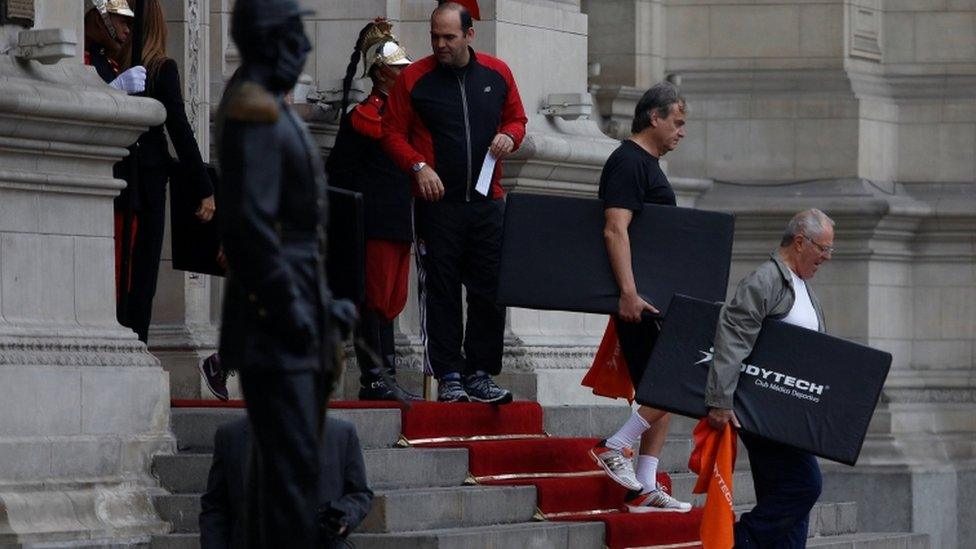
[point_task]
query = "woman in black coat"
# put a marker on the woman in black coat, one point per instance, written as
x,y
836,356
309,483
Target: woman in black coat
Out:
x,y
146,196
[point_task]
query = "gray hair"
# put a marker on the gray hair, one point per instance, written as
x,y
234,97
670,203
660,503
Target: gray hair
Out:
x,y
659,98
809,223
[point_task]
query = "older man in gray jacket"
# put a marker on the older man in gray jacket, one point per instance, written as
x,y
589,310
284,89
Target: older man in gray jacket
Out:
x,y
787,480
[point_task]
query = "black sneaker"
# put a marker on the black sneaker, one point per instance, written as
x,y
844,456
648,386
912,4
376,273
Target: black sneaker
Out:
x,y
380,390
215,376
483,389
451,391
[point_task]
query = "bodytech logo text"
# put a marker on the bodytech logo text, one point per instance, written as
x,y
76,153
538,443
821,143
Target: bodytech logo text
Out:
x,y
776,381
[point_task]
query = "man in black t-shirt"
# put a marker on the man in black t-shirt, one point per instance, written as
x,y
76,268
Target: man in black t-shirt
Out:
x,y
631,177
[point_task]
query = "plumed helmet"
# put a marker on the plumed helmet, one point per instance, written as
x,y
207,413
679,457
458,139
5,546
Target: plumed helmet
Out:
x,y
118,7
380,47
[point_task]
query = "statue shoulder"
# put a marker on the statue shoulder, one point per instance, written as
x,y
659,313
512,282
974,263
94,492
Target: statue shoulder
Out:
x,y
250,102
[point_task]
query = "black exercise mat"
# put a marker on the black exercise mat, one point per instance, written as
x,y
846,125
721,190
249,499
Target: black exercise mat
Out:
x,y
346,261
806,389
554,256
194,243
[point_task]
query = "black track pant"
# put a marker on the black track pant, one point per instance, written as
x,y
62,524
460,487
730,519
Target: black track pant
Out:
x,y
377,332
283,467
460,243
146,252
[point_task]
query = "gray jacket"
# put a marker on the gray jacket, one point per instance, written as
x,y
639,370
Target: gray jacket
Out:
x,y
766,292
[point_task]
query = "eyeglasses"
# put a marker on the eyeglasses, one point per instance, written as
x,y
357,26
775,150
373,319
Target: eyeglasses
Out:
x,y
825,250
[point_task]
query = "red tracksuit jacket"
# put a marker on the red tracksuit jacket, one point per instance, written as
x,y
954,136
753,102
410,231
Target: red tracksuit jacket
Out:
x,y
448,117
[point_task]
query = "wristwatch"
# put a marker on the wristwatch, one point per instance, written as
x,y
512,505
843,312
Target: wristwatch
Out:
x,y
418,166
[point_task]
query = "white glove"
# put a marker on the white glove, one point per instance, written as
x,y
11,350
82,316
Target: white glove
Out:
x,y
131,81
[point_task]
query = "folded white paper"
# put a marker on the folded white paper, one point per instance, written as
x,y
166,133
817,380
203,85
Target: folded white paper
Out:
x,y
487,170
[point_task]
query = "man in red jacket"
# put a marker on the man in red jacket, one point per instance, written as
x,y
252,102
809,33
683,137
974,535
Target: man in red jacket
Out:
x,y
444,115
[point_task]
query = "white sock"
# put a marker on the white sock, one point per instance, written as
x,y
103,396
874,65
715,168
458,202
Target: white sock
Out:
x,y
627,436
647,472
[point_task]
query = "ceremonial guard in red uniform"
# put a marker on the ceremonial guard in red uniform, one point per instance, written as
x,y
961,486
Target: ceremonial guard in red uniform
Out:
x,y
359,164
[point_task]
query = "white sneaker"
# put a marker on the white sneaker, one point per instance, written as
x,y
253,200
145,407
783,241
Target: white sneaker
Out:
x,y
619,464
655,501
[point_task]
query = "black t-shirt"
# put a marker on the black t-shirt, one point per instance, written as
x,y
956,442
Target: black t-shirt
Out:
x,y
632,177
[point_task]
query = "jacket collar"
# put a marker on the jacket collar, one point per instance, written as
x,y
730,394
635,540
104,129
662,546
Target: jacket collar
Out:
x,y
471,62
784,271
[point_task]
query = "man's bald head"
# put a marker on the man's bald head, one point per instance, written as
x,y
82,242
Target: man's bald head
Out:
x,y
449,9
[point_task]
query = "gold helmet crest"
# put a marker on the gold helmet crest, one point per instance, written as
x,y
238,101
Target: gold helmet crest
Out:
x,y
380,47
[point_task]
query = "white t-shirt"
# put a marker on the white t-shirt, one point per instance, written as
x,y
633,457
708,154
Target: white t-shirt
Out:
x,y
802,314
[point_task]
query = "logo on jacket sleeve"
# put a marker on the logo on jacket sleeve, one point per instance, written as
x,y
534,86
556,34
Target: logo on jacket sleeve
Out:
x,y
487,89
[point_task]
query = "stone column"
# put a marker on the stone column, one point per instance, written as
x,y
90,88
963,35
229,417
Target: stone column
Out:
x,y
183,330
83,406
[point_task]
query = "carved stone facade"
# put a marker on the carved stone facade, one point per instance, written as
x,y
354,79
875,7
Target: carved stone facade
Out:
x,y
863,108
867,110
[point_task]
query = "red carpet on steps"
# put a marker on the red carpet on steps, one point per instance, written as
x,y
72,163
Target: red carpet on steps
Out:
x,y
238,403
439,419
556,494
625,530
531,456
537,455
577,494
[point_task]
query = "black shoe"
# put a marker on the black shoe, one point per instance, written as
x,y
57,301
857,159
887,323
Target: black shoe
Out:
x,y
483,389
451,391
379,390
215,376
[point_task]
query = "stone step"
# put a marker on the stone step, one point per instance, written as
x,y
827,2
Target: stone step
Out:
x,y
183,473
386,468
826,519
548,535
602,420
585,421
458,507
683,483
825,536
832,519
175,541
870,540
180,510
195,427
399,510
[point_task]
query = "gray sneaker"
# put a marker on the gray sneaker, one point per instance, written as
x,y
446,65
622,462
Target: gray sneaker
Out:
x,y
451,391
483,389
619,464
654,501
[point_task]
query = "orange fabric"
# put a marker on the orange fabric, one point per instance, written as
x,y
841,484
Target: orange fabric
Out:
x,y
714,460
387,276
133,227
609,376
